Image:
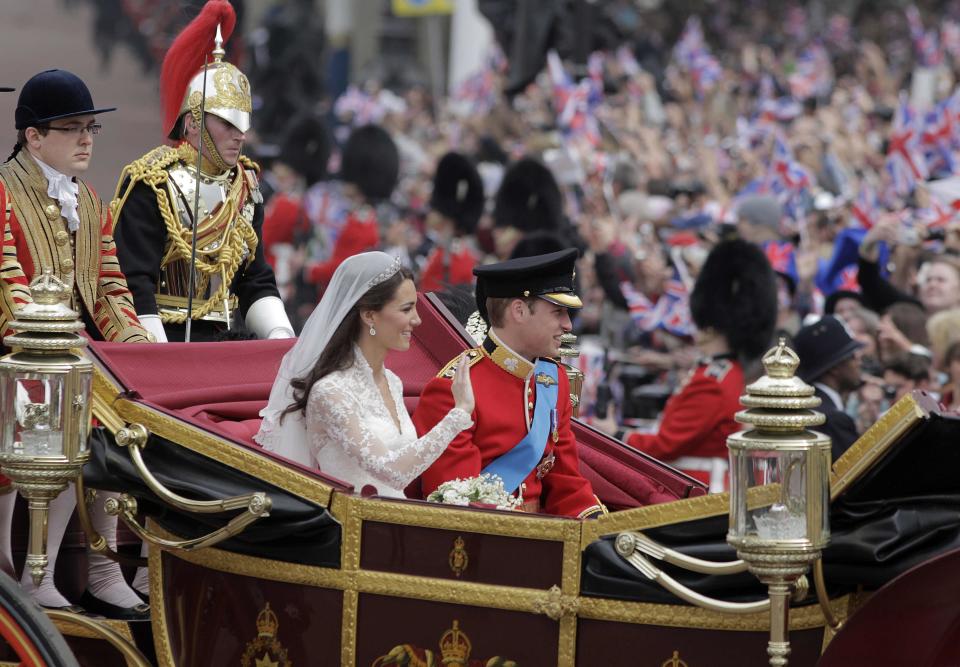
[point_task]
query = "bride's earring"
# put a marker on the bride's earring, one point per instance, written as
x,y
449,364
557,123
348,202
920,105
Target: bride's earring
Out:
x,y
373,332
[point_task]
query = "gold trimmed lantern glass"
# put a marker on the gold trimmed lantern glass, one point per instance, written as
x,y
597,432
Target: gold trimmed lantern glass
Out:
x,y
45,384
779,485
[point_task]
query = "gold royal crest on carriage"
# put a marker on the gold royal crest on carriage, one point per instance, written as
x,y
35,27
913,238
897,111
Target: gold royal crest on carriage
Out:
x,y
266,650
455,648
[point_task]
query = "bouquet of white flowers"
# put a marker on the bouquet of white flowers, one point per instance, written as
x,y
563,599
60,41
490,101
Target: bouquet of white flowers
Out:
x,y
485,489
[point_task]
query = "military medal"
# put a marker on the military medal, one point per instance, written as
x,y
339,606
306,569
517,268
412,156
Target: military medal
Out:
x,y
545,465
554,425
545,380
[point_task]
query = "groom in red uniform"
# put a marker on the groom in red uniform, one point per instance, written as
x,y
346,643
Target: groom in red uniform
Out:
x,y
521,428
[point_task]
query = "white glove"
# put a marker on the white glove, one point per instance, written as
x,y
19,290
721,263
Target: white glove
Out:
x,y
154,325
267,318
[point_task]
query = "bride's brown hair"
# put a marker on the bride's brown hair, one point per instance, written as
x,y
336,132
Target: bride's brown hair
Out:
x,y
338,354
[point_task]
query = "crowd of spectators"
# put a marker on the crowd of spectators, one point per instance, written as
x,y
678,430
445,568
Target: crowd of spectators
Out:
x,y
831,141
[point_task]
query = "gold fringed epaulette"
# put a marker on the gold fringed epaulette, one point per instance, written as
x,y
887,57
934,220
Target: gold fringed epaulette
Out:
x,y
150,169
473,356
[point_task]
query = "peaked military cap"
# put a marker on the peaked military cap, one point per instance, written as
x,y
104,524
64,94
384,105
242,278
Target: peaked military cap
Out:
x,y
549,277
51,95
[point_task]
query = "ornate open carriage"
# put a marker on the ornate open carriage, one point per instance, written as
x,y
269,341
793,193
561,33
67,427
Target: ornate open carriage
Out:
x,y
311,572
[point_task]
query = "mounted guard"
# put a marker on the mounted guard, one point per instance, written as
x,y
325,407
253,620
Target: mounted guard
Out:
x,y
165,196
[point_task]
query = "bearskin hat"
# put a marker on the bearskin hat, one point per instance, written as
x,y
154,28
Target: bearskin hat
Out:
x,y
736,294
529,198
306,148
458,192
371,161
538,243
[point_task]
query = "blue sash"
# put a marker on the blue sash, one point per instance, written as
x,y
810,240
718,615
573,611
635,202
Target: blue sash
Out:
x,y
514,466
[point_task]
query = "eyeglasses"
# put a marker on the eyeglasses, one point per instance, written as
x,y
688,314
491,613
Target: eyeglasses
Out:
x,y
92,128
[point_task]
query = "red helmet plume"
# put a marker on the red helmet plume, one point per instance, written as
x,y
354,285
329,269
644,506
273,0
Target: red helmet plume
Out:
x,y
186,56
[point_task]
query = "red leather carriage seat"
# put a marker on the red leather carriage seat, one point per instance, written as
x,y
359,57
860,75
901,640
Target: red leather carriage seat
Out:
x,y
221,387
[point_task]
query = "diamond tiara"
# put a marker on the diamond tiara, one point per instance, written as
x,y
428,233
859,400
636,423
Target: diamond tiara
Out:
x,y
386,274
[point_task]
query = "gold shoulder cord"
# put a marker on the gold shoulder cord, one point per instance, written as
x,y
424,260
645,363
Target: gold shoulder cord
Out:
x,y
240,235
473,356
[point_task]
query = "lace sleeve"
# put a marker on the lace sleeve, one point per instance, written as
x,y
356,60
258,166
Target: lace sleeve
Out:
x,y
337,418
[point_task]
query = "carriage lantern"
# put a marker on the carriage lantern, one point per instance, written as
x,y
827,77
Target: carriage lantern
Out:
x,y
779,485
44,395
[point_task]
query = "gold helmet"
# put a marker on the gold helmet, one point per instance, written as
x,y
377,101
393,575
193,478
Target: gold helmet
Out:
x,y
184,72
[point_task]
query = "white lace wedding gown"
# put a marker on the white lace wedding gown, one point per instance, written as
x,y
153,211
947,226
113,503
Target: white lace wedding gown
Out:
x,y
353,436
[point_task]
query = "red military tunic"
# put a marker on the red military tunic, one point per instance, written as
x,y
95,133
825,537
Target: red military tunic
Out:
x,y
459,270
503,385
696,422
359,234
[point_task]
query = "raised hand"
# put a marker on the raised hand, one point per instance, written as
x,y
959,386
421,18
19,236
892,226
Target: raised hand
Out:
x,y
462,387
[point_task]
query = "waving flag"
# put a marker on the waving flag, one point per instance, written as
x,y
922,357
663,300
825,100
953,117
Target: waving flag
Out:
x,y
694,57
575,105
647,315
788,180
677,319
937,216
866,207
783,259
926,43
814,73
905,160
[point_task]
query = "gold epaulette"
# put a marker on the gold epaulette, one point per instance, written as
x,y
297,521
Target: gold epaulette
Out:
x,y
473,356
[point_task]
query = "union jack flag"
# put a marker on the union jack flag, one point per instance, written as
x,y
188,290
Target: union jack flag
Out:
x,y
782,257
866,207
575,104
939,138
693,56
677,319
848,279
936,216
814,73
905,160
647,315
926,43
478,93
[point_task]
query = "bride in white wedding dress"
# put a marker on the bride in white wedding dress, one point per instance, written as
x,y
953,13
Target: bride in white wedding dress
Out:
x,y
334,405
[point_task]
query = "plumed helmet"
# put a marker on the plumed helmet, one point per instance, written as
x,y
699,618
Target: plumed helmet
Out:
x,y
529,198
51,95
458,192
736,294
371,161
183,73
306,148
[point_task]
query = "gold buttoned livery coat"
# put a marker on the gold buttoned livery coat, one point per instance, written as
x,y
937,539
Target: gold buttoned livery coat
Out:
x,y
36,238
